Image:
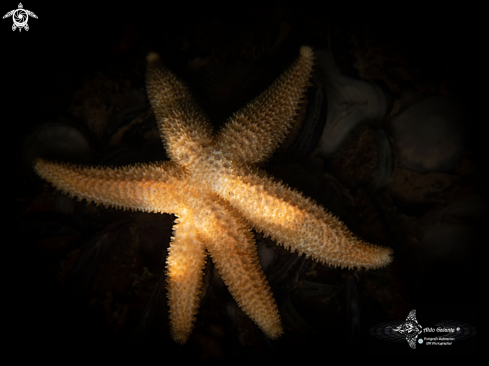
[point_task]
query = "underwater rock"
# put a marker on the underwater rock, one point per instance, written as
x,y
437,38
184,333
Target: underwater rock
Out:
x,y
57,140
365,159
429,136
350,103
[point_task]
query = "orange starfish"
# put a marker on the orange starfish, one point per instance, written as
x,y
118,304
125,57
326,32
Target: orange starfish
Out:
x,y
214,188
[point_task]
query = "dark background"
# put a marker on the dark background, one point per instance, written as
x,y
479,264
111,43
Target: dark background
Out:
x,y
42,69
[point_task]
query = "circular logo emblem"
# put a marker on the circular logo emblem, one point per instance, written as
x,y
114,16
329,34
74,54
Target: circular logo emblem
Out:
x,y
20,17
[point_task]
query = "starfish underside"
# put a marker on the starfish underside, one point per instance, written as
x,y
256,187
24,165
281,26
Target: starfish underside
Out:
x,y
218,194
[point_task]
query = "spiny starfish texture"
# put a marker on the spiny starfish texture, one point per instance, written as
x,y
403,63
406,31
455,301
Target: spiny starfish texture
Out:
x,y
218,194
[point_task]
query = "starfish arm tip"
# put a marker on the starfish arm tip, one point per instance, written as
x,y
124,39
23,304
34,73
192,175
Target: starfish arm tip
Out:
x,y
153,57
306,51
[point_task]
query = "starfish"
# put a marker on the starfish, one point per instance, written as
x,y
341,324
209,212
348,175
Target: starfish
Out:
x,y
217,192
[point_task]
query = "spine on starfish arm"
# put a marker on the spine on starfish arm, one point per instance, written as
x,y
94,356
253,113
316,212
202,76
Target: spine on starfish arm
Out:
x,y
243,139
183,127
122,187
233,251
298,223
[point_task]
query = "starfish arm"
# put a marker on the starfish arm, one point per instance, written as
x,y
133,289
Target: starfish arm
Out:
x,y
254,132
183,127
185,263
233,251
298,223
129,187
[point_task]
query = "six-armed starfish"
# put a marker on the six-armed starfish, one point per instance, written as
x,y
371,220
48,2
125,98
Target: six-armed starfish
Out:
x,y
213,187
